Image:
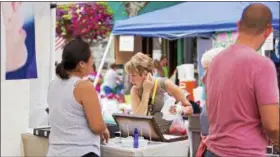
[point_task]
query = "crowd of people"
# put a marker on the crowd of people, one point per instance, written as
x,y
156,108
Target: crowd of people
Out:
x,y
240,118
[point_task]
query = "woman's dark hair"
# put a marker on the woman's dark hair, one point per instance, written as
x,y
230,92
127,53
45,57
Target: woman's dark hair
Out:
x,y
74,52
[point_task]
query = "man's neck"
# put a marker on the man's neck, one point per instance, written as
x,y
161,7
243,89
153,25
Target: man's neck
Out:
x,y
246,40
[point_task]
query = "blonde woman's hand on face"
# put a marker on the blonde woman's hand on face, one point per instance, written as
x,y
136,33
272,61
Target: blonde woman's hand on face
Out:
x,y
148,82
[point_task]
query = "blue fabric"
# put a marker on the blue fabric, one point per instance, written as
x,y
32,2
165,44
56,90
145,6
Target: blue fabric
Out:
x,y
208,153
204,124
108,90
204,92
189,19
118,90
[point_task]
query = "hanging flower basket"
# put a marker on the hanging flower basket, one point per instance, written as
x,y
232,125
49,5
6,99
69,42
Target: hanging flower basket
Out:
x,y
91,21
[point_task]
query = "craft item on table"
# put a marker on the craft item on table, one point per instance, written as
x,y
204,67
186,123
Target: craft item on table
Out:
x,y
120,98
111,96
135,138
128,142
109,106
178,126
135,141
125,109
169,102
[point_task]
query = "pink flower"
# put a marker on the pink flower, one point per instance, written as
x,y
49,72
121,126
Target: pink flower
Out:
x,y
90,22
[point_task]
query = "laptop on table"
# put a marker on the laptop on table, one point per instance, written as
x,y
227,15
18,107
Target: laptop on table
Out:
x,y
146,126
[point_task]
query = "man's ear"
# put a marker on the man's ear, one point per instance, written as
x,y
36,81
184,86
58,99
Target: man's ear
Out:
x,y
268,31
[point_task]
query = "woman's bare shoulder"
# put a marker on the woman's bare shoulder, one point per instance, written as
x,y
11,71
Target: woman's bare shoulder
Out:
x,y
134,90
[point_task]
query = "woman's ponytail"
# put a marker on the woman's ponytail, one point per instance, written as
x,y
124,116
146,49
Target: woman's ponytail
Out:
x,y
61,72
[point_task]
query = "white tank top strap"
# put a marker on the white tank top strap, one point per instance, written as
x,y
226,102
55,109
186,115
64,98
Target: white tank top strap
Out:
x,y
76,80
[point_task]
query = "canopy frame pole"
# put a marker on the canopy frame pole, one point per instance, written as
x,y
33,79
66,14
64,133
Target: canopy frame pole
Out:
x,y
53,37
111,38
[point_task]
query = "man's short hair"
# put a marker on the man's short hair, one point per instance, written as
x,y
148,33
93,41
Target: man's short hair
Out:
x,y
255,18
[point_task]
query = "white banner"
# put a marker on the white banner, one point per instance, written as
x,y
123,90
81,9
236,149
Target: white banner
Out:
x,y
224,39
3,48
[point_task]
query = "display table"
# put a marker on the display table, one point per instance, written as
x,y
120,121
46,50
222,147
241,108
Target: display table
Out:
x,y
38,146
179,148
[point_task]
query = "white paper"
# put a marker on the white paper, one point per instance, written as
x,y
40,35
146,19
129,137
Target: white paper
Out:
x,y
277,50
156,54
126,43
168,137
268,44
198,92
186,72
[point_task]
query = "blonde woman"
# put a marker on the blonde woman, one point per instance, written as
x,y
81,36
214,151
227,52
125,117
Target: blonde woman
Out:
x,y
140,69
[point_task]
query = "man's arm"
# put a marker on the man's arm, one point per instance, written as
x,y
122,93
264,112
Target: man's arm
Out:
x,y
267,96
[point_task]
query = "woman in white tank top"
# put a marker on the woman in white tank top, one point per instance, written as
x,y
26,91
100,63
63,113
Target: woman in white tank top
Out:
x,y
74,111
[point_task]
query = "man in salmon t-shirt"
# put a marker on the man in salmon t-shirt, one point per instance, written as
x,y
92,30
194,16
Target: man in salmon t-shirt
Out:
x,y
242,92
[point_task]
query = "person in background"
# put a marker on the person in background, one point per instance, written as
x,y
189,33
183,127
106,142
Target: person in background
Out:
x,y
140,69
158,70
74,110
206,59
242,91
92,76
163,64
111,80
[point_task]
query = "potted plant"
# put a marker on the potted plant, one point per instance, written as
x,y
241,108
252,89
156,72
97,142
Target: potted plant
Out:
x,y
91,21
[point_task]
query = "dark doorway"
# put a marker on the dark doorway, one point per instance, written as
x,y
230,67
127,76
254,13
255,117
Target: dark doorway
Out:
x,y
147,46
